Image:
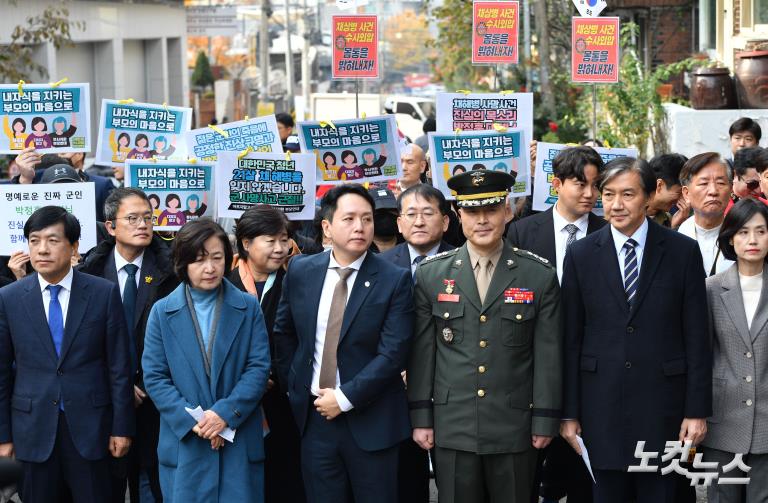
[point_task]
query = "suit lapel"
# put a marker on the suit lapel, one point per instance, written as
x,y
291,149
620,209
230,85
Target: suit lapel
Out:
x,y
546,236
652,254
33,302
733,303
314,290
110,269
606,250
501,278
465,277
148,266
182,328
594,223
230,320
403,257
364,283
761,314
78,304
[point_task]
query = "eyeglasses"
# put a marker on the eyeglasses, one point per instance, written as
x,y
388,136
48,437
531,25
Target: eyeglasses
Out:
x,y
133,220
412,216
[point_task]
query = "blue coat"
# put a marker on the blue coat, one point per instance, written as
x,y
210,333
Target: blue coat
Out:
x,y
174,376
92,375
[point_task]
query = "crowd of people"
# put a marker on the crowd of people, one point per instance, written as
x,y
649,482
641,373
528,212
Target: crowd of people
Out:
x,y
396,337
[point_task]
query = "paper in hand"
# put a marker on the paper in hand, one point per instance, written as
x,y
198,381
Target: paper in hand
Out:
x,y
585,457
227,434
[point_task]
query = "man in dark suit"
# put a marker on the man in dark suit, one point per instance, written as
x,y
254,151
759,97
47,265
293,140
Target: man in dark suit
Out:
x,y
576,173
423,219
69,404
638,362
140,265
342,335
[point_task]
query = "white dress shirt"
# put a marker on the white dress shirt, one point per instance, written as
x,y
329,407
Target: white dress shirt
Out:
x,y
323,311
707,240
122,275
413,253
561,236
64,293
619,239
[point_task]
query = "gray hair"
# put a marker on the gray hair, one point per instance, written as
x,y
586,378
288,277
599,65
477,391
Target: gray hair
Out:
x,y
622,165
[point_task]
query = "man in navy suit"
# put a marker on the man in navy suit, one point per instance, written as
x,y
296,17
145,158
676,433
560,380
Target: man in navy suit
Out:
x,y
576,173
638,362
342,335
70,403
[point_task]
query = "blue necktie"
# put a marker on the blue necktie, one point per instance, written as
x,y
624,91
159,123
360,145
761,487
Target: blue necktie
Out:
x,y
417,261
631,270
55,318
130,291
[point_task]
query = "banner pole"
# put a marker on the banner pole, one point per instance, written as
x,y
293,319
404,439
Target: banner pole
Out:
x,y
357,98
594,111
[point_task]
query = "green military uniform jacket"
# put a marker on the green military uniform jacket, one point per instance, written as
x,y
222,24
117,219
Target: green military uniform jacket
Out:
x,y
486,376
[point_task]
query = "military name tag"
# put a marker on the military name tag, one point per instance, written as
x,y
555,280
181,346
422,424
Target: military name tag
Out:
x,y
447,334
447,297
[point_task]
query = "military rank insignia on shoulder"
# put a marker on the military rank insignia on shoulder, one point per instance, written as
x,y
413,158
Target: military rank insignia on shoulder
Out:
x,y
531,255
440,255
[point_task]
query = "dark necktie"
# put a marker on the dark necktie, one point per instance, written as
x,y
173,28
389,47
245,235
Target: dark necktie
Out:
x,y
55,318
328,365
130,292
571,229
417,261
631,270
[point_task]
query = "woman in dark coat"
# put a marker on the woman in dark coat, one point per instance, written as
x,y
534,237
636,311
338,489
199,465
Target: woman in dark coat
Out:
x,y
264,245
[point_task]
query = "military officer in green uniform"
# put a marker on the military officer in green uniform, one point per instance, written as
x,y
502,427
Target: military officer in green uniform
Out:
x,y
485,371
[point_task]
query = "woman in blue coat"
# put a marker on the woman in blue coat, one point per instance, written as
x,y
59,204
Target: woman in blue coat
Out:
x,y
206,346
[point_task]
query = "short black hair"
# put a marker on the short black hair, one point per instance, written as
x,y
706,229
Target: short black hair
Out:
x,y
746,125
346,154
570,163
171,197
257,221
47,216
285,119
189,244
592,140
155,197
116,198
622,165
141,136
746,158
427,192
698,162
737,218
667,167
331,199
430,125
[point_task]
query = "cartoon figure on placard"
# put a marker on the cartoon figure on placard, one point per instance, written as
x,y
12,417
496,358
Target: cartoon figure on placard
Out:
x,y
457,170
194,209
341,42
327,166
481,29
154,201
172,214
39,137
161,149
62,133
120,148
372,166
16,132
140,151
349,169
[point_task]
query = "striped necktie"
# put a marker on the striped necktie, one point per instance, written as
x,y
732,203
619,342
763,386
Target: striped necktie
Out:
x,y
631,270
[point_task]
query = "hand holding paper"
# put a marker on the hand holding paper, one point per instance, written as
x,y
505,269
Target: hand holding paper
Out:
x,y
199,415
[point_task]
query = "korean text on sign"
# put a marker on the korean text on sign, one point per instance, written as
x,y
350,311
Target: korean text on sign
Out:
x,y
355,47
495,32
595,50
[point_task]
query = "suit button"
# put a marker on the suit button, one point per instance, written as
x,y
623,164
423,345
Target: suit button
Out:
x,y
55,402
628,365
518,316
481,393
59,373
749,403
446,315
748,355
481,369
748,378
483,318
483,344
630,330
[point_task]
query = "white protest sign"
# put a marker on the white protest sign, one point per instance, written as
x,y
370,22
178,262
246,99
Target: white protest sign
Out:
x,y
277,180
18,202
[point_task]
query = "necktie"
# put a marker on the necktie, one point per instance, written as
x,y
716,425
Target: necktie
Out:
x,y
631,270
55,318
333,330
483,276
571,230
129,306
417,261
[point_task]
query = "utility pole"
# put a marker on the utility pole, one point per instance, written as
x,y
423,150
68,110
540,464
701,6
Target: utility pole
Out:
x,y
266,12
288,56
305,73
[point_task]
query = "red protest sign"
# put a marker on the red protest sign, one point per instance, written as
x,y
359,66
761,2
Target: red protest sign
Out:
x,y
495,32
355,47
595,49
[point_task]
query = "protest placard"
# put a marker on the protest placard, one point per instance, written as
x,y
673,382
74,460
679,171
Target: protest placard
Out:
x,y
360,150
595,50
259,133
544,195
495,32
51,119
179,192
480,111
277,180
141,131
19,201
455,153
355,47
